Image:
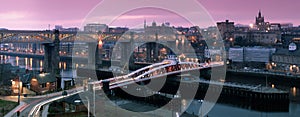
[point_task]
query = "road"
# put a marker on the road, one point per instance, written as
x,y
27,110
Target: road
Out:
x,y
32,105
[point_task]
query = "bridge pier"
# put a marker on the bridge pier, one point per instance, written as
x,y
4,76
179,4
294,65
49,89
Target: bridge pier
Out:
x,y
172,45
47,58
92,55
126,49
51,57
34,48
69,49
98,56
125,52
152,52
155,49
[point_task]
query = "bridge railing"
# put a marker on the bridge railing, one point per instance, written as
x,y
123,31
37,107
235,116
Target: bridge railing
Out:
x,y
151,72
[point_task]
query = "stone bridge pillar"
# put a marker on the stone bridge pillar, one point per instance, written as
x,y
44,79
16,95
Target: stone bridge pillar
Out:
x,y
152,51
127,51
171,45
47,58
155,49
98,55
149,47
92,55
69,49
51,57
34,48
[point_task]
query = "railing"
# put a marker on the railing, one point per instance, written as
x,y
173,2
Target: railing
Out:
x,y
157,70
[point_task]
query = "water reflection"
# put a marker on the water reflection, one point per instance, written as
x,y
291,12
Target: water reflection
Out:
x,y
41,65
36,64
294,91
17,61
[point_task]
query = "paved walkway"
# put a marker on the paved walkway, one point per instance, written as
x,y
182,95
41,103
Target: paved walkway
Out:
x,y
23,105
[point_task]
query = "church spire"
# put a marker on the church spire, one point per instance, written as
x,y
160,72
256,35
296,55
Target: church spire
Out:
x,y
259,13
145,23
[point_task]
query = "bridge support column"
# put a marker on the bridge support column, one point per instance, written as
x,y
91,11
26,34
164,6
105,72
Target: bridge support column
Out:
x,y
106,89
69,49
125,50
155,52
92,55
34,48
152,52
98,56
51,57
171,45
47,58
55,54
155,49
149,52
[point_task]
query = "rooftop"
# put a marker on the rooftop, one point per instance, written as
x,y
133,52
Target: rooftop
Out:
x,y
287,52
45,77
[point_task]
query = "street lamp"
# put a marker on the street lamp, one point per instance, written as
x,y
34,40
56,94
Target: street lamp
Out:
x,y
88,106
16,84
18,89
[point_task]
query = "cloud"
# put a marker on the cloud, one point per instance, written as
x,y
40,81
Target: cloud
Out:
x,y
12,16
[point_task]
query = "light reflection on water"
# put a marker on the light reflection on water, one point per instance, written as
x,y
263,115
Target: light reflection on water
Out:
x,y
67,73
37,64
34,64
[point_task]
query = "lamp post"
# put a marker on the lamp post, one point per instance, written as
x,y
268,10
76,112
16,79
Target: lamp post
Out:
x,y
18,86
88,106
94,99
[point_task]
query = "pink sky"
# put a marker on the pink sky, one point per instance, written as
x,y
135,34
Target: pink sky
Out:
x,y
37,14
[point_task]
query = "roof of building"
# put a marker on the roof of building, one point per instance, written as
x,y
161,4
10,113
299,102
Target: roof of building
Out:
x,y
287,52
26,78
45,77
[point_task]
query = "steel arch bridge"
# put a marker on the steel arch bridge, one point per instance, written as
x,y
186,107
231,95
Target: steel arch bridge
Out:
x,y
157,70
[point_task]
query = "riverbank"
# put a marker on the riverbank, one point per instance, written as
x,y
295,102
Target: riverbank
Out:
x,y
263,77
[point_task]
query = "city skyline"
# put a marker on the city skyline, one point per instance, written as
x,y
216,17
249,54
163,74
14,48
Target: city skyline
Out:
x,y
167,57
37,15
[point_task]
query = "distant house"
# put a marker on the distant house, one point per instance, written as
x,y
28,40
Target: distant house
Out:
x,y
42,83
31,82
286,60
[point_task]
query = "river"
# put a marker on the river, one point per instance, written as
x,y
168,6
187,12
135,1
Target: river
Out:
x,y
219,110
